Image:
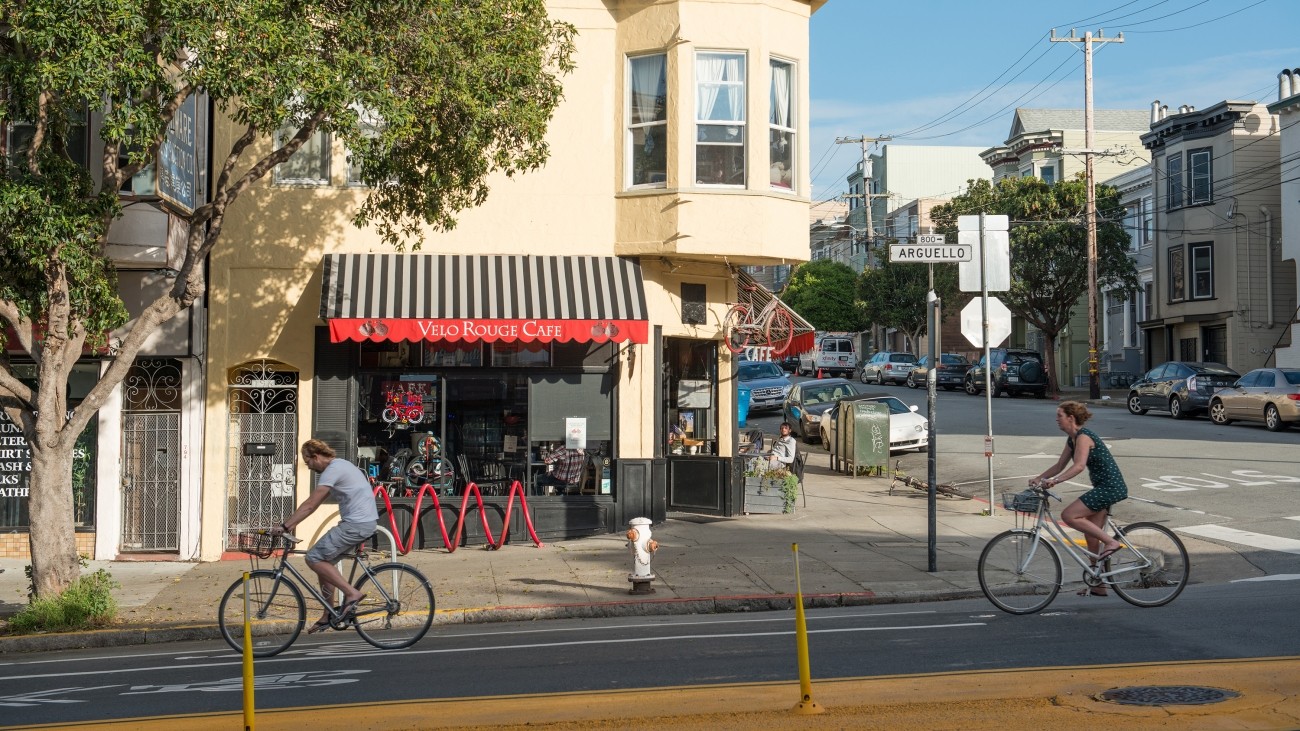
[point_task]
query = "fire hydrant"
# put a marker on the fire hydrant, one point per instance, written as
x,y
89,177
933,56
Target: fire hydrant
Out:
x,y
643,548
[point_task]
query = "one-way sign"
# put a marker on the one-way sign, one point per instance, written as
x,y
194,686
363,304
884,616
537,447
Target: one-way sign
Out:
x,y
929,248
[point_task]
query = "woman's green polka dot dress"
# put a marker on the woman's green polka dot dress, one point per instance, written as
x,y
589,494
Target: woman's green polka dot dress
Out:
x,y
1108,485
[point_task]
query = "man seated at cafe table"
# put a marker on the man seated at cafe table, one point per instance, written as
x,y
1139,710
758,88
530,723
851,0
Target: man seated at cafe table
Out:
x,y
564,470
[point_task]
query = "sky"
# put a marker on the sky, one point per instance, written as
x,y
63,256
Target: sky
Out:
x,y
952,72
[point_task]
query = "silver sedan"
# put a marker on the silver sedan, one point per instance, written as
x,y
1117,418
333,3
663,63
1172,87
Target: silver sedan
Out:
x,y
1269,395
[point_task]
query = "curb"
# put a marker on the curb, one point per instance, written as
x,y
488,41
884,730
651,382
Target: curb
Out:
x,y
485,615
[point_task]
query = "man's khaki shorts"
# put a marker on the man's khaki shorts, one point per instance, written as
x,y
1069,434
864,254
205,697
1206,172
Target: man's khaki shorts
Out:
x,y
339,540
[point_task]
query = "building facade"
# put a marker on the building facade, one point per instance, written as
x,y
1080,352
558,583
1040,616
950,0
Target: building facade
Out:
x,y
1221,292
1123,356
1287,108
581,304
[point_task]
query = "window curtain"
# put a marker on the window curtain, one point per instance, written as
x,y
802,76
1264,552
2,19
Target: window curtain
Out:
x,y
649,85
713,69
781,95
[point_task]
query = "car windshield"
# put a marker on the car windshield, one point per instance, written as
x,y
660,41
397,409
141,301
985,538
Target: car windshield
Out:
x,y
754,371
954,359
895,406
826,394
1292,377
902,358
1209,370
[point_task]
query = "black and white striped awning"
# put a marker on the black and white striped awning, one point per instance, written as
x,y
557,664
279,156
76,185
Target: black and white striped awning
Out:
x,y
463,297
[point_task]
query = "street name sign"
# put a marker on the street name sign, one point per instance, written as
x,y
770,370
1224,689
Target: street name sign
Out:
x,y
929,249
999,322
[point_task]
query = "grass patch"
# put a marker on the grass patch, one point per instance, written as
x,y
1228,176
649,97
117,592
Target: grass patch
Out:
x,y
87,604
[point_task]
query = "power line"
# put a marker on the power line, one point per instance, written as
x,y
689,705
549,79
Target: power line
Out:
x,y
1197,25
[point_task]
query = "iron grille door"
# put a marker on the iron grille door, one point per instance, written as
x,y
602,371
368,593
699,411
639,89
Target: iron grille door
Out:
x,y
261,446
151,455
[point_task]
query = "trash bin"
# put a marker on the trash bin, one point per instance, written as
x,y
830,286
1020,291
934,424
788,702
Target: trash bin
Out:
x,y
742,405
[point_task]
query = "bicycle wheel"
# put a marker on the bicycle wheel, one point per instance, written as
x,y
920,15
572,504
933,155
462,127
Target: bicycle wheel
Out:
x,y
276,611
779,330
1157,565
735,328
398,607
1019,573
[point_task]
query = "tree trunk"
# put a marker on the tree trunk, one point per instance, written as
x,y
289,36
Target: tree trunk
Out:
x,y
1049,362
55,563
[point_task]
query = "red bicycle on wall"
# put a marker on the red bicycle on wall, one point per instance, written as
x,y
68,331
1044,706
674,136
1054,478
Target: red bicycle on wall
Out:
x,y
771,324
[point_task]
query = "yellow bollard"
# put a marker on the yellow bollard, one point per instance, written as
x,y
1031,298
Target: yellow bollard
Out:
x,y
806,704
248,662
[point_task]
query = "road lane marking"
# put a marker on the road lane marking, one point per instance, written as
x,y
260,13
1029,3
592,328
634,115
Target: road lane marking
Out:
x,y
334,658
1273,577
1244,537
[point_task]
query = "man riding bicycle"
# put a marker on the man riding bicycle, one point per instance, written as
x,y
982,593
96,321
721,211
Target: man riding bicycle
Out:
x,y
343,483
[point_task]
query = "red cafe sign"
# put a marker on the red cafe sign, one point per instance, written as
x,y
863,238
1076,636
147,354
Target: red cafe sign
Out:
x,y
488,330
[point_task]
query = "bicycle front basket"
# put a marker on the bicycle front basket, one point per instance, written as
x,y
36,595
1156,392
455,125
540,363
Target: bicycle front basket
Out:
x,y
1026,501
257,543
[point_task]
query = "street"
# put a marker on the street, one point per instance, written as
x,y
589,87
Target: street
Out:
x,y
1232,485
567,656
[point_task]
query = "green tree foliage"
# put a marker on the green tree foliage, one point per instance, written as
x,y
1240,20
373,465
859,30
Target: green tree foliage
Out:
x,y
430,97
1049,246
822,293
893,294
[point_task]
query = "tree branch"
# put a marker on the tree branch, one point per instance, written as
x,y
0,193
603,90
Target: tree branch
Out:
x,y
38,134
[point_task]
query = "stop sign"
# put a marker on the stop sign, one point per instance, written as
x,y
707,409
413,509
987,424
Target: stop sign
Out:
x,y
999,322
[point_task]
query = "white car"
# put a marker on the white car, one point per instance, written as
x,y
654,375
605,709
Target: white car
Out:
x,y
907,429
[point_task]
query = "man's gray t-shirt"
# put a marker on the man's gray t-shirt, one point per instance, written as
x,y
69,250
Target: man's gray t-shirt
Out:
x,y
350,488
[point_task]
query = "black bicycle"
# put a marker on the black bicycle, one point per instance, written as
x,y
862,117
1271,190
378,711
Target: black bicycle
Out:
x,y
395,613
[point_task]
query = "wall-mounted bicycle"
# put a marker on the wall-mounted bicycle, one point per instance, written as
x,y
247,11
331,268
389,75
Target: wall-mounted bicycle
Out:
x,y
771,324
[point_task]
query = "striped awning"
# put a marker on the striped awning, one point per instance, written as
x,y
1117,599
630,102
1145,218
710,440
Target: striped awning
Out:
x,y
492,298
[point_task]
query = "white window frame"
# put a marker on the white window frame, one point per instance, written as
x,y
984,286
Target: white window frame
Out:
x,y
282,135
1048,166
775,127
1194,293
1175,193
1193,156
1147,220
633,126
738,120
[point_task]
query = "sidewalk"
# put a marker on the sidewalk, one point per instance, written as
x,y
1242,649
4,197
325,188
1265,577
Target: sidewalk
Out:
x,y
858,544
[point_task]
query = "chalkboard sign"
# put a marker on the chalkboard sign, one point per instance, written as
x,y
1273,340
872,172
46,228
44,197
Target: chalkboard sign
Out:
x,y
870,434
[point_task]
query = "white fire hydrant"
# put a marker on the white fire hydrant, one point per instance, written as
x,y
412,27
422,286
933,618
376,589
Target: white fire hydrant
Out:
x,y
643,548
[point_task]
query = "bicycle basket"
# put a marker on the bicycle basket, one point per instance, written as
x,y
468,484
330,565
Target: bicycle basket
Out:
x,y
257,543
1026,501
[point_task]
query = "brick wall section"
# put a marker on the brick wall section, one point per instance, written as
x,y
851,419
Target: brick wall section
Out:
x,y
15,545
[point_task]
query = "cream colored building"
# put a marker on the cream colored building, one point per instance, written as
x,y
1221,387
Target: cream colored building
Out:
x,y
680,151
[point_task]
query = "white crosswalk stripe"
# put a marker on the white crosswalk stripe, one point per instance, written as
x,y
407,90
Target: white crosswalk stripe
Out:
x,y
1244,537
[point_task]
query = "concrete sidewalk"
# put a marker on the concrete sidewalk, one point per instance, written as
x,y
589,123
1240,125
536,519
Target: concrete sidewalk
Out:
x,y
858,544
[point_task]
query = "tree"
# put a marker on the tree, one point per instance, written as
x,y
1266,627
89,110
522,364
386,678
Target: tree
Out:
x,y
822,293
1049,254
429,96
893,294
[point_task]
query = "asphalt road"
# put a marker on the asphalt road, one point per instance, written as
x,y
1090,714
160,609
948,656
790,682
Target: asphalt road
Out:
x,y
1234,485
1205,624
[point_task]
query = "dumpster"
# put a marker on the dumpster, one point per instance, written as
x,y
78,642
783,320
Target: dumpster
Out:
x,y
742,405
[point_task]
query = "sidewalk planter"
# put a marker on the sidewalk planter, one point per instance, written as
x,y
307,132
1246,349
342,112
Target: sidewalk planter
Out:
x,y
770,493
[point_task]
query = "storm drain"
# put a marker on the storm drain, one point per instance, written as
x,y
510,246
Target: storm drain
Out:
x,y
1167,695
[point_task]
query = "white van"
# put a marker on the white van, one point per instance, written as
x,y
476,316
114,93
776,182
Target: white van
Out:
x,y
832,355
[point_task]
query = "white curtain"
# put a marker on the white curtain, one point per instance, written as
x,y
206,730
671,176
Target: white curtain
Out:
x,y
649,82
712,70
781,95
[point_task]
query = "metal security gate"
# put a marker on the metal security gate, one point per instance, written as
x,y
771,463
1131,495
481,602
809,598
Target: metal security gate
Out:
x,y
151,455
261,446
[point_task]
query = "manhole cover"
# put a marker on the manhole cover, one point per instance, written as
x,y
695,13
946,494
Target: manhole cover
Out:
x,y
1167,695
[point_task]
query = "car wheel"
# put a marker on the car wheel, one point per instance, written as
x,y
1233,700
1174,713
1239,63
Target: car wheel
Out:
x,y
1135,405
826,443
880,378
1176,408
970,386
911,382
1219,414
1273,420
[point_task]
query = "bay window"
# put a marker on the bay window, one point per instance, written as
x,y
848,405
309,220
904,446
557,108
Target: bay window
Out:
x,y
781,119
720,118
647,114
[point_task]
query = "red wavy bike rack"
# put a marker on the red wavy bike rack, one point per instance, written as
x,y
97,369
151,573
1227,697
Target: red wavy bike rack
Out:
x,y
452,544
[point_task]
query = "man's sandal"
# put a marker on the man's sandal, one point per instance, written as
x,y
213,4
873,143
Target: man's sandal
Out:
x,y
321,625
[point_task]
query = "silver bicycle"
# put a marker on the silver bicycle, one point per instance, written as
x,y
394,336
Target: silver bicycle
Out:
x,y
1020,570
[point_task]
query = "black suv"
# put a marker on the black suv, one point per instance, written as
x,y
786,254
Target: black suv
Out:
x,y
1015,370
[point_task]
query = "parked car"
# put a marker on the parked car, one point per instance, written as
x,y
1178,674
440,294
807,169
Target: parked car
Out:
x,y
1015,371
807,401
832,355
767,384
1182,388
951,373
1270,395
885,367
907,428
790,364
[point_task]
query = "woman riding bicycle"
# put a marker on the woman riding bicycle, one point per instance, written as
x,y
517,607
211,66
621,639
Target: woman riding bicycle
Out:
x,y
1088,513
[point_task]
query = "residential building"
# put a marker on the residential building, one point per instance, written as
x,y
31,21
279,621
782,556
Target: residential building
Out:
x,y
1221,293
1048,144
1120,339
581,302
900,173
1287,107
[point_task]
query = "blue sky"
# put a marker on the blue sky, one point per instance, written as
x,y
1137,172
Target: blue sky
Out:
x,y
880,68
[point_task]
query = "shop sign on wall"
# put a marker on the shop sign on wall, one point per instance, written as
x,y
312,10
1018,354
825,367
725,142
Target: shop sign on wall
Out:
x,y
15,459
575,432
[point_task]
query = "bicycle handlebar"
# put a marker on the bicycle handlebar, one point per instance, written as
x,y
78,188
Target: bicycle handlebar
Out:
x,y
1040,488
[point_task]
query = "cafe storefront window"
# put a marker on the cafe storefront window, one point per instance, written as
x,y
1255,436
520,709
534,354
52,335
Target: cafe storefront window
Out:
x,y
691,396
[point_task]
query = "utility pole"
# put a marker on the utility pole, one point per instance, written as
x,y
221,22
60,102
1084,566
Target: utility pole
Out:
x,y
1094,381
876,330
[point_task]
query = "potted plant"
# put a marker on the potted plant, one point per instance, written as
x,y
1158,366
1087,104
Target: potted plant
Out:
x,y
768,490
